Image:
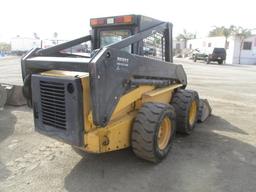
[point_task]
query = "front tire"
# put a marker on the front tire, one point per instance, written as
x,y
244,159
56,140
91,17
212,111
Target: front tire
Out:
x,y
208,60
153,131
186,104
220,62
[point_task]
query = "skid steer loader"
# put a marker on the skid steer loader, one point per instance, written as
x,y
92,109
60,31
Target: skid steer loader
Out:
x,y
127,92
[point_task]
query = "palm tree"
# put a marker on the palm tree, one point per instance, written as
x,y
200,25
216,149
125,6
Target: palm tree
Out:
x,y
36,36
55,36
186,36
242,34
223,31
217,31
5,47
227,32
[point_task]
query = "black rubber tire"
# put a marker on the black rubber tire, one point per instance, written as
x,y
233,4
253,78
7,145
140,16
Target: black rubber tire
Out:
x,y
145,131
181,101
208,61
3,96
26,90
220,62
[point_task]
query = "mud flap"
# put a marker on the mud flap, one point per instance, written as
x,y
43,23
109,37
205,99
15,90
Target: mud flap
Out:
x,y
205,110
11,95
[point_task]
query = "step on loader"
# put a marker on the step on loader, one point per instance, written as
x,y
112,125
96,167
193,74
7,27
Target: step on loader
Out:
x,y
125,93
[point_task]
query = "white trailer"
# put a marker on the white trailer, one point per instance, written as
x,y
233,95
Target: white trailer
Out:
x,y
24,44
247,53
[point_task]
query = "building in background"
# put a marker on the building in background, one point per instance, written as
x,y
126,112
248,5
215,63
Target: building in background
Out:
x,y
21,45
179,47
248,48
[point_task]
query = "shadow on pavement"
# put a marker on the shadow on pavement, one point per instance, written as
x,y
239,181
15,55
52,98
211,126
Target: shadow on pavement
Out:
x,y
205,161
7,125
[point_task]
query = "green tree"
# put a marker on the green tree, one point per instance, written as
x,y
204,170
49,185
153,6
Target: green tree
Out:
x,y
185,36
223,31
5,47
36,36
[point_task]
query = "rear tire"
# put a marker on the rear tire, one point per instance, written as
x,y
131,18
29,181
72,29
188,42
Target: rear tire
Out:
x,y
153,131
220,62
186,104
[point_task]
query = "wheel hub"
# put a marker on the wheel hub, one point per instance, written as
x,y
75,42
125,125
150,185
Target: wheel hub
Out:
x,y
164,133
192,113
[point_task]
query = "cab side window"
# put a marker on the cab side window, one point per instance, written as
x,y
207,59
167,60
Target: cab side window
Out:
x,y
154,46
112,36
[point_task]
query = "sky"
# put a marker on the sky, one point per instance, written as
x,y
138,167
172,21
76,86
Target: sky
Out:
x,y
70,18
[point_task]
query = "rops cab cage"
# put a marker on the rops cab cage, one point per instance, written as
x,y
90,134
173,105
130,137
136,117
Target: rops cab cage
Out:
x,y
113,69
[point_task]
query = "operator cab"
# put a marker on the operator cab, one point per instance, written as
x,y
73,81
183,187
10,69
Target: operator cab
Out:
x,y
109,30
112,30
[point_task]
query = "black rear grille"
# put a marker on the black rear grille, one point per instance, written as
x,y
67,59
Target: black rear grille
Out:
x,y
53,104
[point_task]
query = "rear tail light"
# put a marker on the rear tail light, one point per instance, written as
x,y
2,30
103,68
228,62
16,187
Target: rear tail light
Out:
x,y
101,21
95,22
124,19
112,20
128,19
119,19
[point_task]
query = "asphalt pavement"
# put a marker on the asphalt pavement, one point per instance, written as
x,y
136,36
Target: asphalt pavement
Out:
x,y
220,156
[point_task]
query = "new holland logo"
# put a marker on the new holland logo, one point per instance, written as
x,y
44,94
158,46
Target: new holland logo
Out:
x,y
122,62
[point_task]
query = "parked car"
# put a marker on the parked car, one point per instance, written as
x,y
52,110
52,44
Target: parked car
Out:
x,y
199,55
217,54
